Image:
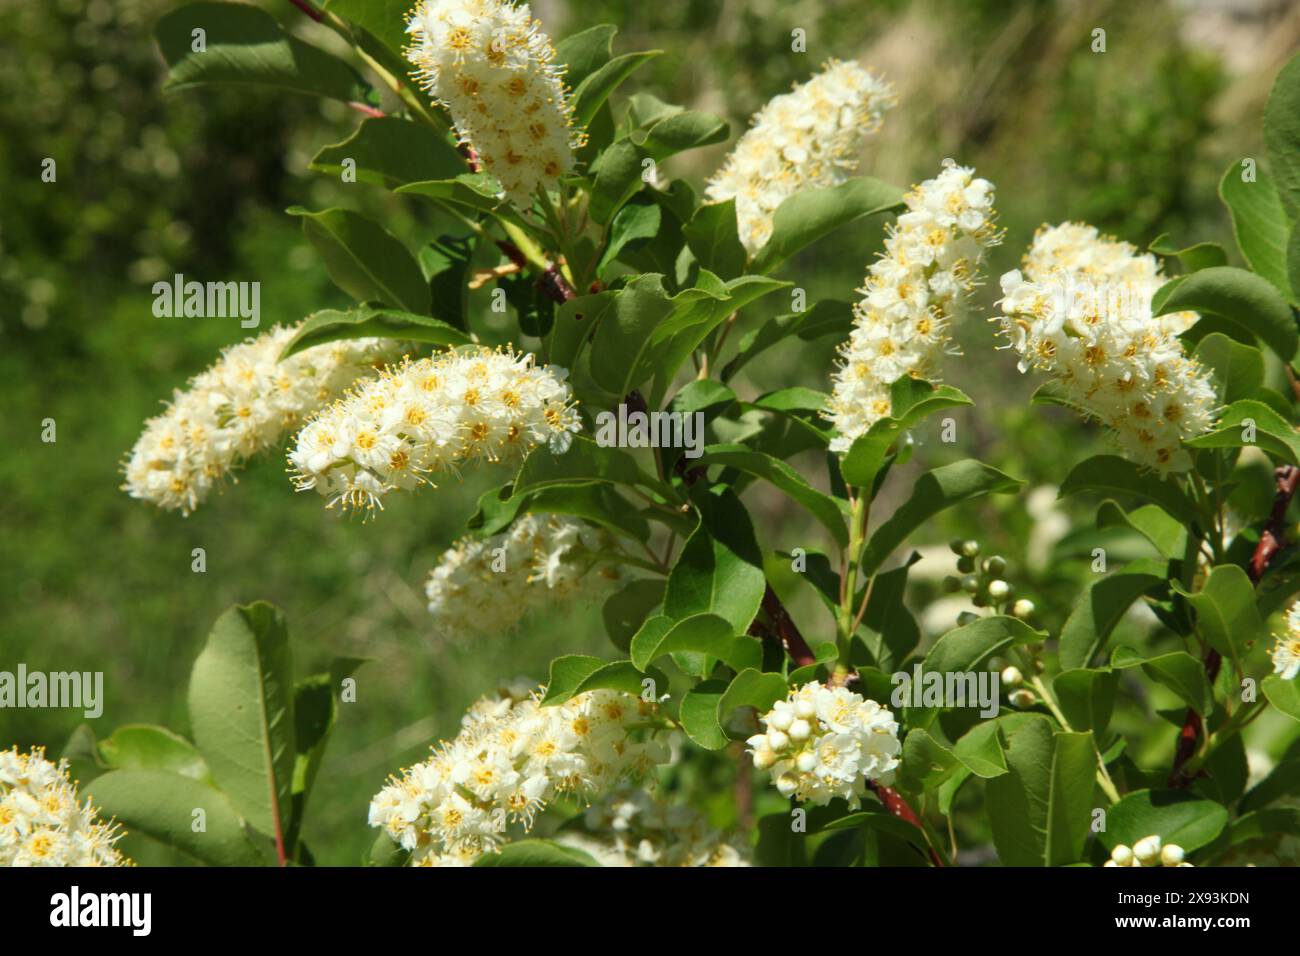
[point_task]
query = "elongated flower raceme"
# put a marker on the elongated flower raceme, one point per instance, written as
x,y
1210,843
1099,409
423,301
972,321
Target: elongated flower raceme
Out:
x,y
1286,652
511,757
428,416
807,138
632,827
248,401
42,820
1082,312
901,324
491,65
824,742
483,586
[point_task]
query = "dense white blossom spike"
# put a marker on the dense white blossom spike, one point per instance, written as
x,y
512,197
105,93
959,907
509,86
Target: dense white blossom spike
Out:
x,y
901,325
1081,311
824,742
489,63
432,415
42,820
246,402
511,757
807,138
483,586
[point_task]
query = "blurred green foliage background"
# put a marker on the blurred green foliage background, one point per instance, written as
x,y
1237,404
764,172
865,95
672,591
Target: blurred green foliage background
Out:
x,y
1133,140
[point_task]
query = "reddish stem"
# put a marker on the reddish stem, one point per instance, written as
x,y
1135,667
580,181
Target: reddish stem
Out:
x,y
893,802
786,630
308,9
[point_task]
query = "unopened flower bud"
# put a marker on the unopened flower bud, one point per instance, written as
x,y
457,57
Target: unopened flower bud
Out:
x,y
1011,676
780,720
995,565
970,584
999,590
800,730
764,758
804,708
1147,850
777,740
1172,855
1022,609
806,762
1122,855
1022,698
951,584
786,784
970,549
965,565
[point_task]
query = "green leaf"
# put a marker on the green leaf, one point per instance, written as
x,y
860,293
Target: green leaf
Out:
x,y
1282,135
1100,609
1238,370
1283,694
1165,534
364,260
967,647
1246,301
586,52
536,853
888,629
699,714
146,747
925,762
1179,671
617,177
1173,815
473,192
1202,255
332,325
161,805
881,820
634,224
933,491
245,45
1259,223
720,568
714,237
576,674
1270,431
866,456
1086,697
1226,615
1111,474
1282,781
1265,825
706,634
315,709
585,463
624,335
390,152
241,711
809,214
594,89
826,317
1041,807
823,507
678,132
626,609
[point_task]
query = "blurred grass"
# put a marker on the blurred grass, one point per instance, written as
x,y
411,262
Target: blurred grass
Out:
x,y
148,186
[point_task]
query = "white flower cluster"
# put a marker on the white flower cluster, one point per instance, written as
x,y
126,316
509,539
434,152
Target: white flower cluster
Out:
x,y
631,827
931,260
42,821
824,742
1286,652
1147,851
484,586
491,65
246,402
511,757
1082,312
432,415
807,138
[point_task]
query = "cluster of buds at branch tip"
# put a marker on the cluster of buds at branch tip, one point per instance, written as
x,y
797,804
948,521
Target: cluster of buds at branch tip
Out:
x,y
985,583
1148,851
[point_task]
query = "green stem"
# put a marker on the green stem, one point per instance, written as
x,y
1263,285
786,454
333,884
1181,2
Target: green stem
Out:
x,y
860,515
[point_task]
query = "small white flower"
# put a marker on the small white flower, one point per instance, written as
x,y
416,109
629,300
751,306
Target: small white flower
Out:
x,y
1286,652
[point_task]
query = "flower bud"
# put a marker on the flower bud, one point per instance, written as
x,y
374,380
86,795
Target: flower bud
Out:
x,y
995,565
966,565
999,590
1110,863
1022,698
764,758
780,719
1172,855
806,761
1147,850
970,584
1011,676
777,740
787,784
1022,609
800,730
951,584
970,549
1122,855
805,709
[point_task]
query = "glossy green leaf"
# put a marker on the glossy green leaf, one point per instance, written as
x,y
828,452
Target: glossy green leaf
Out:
x,y
1111,474
389,152
146,747
364,259
536,853
1243,299
714,237
1101,607
809,214
1283,694
1173,815
1259,223
1226,615
332,325
1247,422
720,568
1282,135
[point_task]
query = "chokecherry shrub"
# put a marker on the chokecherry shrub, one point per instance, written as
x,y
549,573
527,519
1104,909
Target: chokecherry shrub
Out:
x,y
772,665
